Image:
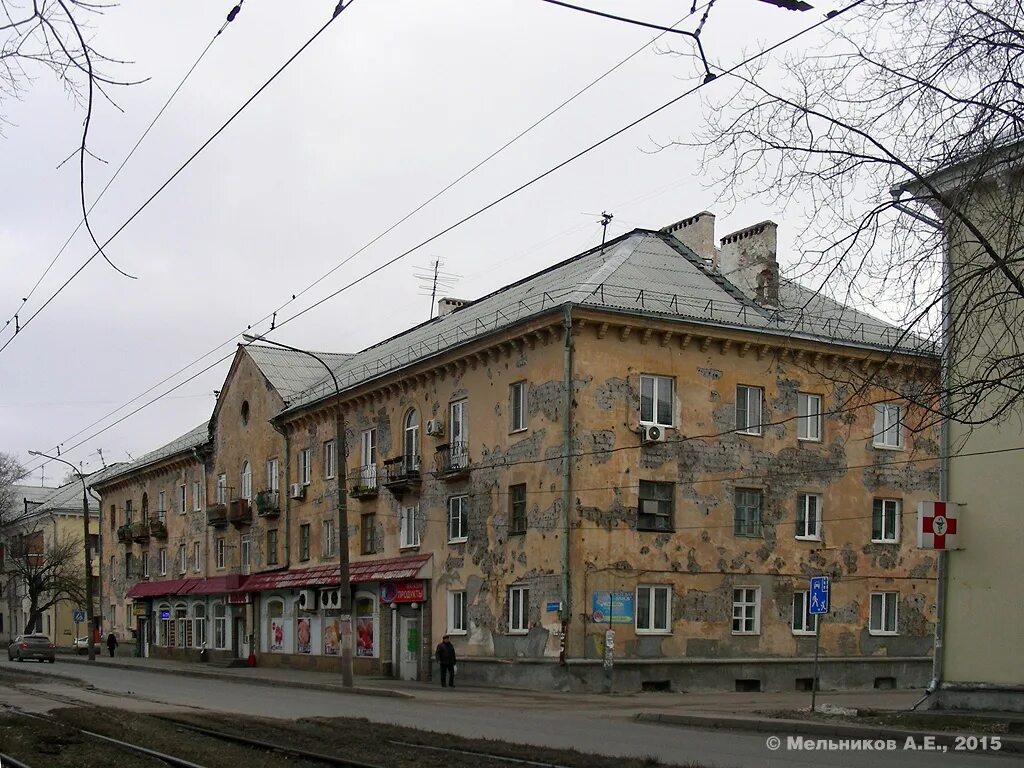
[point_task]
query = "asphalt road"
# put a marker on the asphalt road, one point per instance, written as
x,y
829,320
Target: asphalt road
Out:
x,y
463,713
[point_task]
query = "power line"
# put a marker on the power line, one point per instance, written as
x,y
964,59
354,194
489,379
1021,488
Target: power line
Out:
x,y
182,167
124,162
486,207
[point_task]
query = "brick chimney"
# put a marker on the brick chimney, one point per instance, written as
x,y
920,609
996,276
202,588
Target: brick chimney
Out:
x,y
747,259
697,233
448,305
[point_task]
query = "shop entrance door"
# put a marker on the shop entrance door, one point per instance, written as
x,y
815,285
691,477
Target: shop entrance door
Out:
x,y
410,645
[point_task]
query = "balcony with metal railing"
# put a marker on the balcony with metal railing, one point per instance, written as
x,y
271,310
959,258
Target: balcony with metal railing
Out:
x,y
451,461
362,482
157,527
268,503
140,531
402,474
239,513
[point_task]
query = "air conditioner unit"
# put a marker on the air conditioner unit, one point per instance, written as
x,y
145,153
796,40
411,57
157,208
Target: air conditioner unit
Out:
x,y
307,600
297,491
330,599
435,427
653,433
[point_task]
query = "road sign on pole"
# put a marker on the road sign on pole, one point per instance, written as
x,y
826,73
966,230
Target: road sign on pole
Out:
x,y
817,604
78,616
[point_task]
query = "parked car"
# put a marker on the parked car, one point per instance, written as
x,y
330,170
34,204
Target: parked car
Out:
x,y
36,647
81,645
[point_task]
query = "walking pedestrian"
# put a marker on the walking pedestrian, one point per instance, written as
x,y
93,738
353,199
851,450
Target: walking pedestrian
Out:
x,y
446,659
111,643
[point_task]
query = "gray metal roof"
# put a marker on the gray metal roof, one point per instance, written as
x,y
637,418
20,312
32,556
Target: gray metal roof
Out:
x,y
190,440
292,373
642,273
34,494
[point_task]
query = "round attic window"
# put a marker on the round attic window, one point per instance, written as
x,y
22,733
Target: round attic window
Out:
x,y
245,412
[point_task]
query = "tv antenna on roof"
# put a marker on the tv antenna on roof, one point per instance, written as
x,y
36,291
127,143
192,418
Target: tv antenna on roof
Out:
x,y
434,277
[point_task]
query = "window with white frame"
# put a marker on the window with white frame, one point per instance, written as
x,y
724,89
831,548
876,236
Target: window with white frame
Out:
x,y
197,496
182,558
221,551
162,561
808,422
145,565
273,479
222,488
746,611
161,506
656,506
656,400
410,529
888,432
748,409
458,445
199,622
182,499
517,406
518,610
457,622
305,466
330,459
808,516
220,626
368,457
197,562
327,538
246,484
458,519
411,445
883,613
804,622
653,609
885,521
246,552
747,515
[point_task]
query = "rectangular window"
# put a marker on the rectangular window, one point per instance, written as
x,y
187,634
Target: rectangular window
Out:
x,y
656,400
246,557
459,437
304,541
222,488
747,521
272,547
808,516
410,534
804,622
368,535
162,561
808,423
888,431
145,565
517,406
517,508
273,480
128,512
329,459
746,611
197,562
368,453
653,609
161,506
458,518
518,610
129,565
222,553
457,624
656,506
883,613
327,538
197,496
182,499
748,409
182,559
305,466
885,521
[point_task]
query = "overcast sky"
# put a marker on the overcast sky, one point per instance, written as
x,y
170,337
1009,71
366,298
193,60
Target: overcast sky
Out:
x,y
393,102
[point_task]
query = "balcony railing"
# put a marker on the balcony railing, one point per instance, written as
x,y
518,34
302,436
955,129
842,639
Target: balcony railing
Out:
x,y
362,482
140,531
402,474
239,512
451,461
268,503
217,515
157,528
124,533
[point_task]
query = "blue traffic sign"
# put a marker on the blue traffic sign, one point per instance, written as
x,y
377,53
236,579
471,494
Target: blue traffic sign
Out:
x,y
819,595
78,616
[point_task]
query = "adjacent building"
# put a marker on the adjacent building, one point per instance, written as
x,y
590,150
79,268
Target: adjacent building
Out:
x,y
654,437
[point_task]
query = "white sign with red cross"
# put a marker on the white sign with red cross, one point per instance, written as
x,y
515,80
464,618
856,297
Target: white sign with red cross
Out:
x,y
937,525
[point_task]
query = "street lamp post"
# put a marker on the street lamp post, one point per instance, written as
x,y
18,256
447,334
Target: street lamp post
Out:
x,y
90,615
345,588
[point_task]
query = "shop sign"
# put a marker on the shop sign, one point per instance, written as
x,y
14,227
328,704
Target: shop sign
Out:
x,y
238,598
403,592
139,609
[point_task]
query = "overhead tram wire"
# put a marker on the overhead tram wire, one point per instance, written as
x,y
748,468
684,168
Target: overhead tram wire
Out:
x,y
231,17
341,7
775,46
405,218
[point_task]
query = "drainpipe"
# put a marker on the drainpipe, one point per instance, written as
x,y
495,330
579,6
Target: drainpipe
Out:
x,y
566,596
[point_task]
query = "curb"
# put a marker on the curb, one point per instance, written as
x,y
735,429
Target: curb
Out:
x,y
817,728
246,680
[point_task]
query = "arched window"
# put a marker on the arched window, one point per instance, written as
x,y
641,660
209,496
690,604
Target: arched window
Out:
x,y
165,626
220,626
199,624
246,482
182,627
412,440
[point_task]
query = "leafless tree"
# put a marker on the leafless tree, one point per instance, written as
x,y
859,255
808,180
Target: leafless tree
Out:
x,y
907,116
11,471
45,573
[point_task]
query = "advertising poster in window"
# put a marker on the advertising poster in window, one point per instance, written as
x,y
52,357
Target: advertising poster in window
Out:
x,y
332,637
303,637
280,635
612,608
364,628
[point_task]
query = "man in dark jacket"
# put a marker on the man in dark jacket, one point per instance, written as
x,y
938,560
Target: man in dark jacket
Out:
x,y
446,659
111,643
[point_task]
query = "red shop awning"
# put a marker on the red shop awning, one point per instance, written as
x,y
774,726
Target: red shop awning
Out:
x,y
155,588
218,585
393,569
